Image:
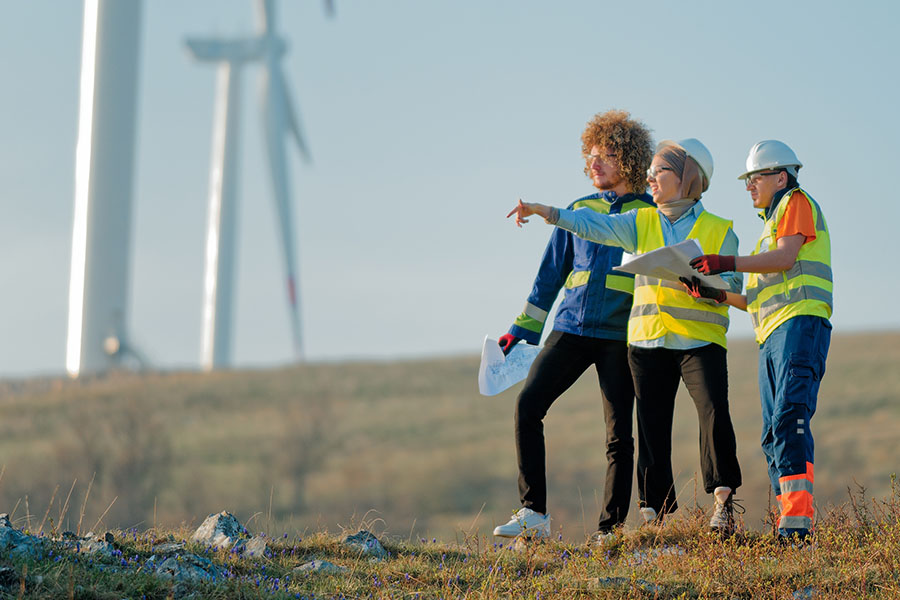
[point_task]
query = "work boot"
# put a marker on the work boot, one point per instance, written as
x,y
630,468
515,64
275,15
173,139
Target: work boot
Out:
x,y
603,539
797,539
525,522
723,513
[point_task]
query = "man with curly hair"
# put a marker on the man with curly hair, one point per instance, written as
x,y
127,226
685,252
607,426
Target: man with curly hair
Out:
x,y
673,336
589,328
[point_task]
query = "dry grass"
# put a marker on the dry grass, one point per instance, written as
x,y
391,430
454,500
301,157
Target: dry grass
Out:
x,y
310,448
855,553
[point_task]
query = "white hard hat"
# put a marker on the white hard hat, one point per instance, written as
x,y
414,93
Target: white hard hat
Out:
x,y
771,154
696,150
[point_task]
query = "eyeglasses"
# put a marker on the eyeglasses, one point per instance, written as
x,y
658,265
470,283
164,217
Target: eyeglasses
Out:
x,y
754,179
607,158
652,172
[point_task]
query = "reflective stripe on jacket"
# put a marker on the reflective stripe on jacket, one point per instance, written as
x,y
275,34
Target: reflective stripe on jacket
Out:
x,y
662,306
804,289
596,299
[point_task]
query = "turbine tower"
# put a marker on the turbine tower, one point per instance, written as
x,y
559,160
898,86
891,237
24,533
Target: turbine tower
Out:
x,y
279,120
104,163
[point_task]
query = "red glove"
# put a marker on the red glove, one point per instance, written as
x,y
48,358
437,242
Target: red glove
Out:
x,y
507,341
697,290
713,264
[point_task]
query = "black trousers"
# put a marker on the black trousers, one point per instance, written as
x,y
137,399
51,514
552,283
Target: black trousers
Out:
x,y
562,361
704,371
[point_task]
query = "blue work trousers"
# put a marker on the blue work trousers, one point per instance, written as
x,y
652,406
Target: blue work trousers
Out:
x,y
791,366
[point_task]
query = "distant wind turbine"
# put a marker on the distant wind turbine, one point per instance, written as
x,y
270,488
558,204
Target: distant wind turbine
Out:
x,y
279,120
97,338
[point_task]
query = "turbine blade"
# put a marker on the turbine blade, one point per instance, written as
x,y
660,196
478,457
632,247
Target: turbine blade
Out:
x,y
329,8
292,121
274,116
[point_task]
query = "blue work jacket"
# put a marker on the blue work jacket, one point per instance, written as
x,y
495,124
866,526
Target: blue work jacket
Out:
x,y
597,300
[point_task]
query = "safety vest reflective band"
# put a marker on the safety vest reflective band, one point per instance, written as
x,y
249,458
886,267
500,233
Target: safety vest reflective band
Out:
x,y
532,318
622,282
804,289
577,278
662,307
796,500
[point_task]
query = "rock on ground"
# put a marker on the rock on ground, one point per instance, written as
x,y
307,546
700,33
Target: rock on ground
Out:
x,y
89,544
320,566
187,568
254,547
16,542
221,530
365,543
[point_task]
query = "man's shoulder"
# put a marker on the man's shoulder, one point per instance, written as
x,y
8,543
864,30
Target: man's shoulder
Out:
x,y
597,202
798,194
793,200
592,201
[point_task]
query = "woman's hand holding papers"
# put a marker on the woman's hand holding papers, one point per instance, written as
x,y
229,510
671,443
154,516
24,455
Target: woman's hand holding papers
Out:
x,y
698,290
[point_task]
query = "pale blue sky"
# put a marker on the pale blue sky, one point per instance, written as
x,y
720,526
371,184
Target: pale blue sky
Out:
x,y
427,120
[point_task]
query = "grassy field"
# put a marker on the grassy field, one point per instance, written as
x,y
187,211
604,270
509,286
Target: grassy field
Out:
x,y
410,448
854,555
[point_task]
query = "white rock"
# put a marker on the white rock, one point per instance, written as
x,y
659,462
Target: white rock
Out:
x,y
254,547
221,530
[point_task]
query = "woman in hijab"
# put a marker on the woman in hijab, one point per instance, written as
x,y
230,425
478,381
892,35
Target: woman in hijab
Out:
x,y
672,335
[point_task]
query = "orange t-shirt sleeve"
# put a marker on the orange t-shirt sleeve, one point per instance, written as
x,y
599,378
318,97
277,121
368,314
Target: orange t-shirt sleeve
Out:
x,y
797,219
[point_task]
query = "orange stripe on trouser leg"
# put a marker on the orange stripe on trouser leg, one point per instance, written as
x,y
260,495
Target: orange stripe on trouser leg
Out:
x,y
796,497
796,504
808,475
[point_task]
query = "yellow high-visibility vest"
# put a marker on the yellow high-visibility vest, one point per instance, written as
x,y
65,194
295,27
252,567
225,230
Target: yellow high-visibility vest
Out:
x,y
804,289
662,307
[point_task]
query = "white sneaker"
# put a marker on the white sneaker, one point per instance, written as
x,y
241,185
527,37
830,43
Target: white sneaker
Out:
x,y
525,522
649,514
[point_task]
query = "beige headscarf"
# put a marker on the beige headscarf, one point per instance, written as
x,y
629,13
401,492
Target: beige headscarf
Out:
x,y
693,182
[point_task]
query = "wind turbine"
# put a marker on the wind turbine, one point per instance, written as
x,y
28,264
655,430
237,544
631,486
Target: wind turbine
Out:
x,y
97,339
279,120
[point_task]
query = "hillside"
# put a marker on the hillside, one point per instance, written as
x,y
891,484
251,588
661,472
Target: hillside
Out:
x,y
410,448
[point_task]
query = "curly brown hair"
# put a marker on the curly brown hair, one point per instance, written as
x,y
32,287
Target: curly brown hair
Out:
x,y
625,137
